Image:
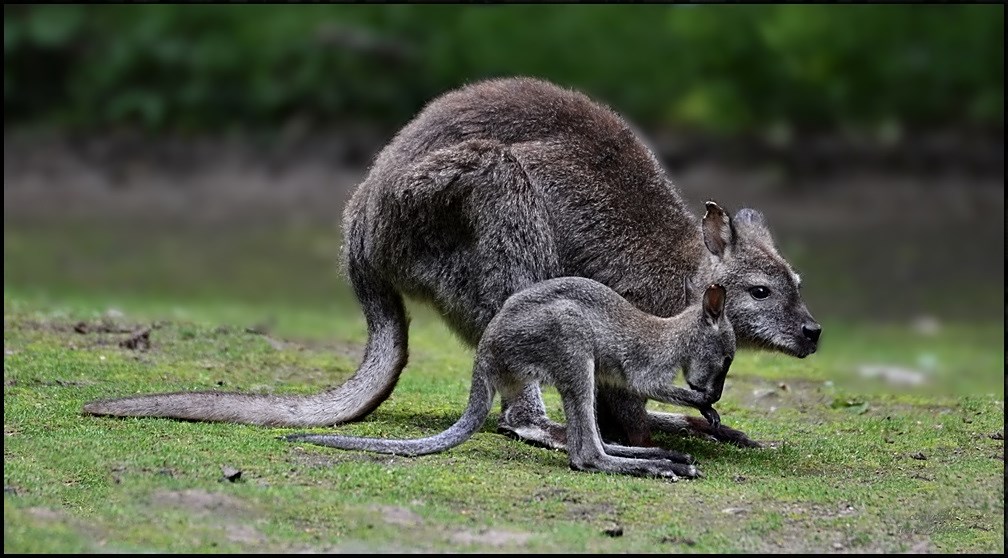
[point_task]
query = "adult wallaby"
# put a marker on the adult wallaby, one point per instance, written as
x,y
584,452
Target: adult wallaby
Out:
x,y
577,334
497,186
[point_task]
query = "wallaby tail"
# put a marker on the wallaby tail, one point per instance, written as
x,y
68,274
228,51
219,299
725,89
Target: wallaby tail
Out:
x,y
384,358
481,397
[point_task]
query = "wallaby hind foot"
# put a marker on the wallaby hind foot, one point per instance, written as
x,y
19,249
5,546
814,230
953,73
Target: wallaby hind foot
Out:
x,y
639,467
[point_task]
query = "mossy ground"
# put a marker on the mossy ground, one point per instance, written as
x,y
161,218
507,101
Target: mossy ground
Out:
x,y
857,464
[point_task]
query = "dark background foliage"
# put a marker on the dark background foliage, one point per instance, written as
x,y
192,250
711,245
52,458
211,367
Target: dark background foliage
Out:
x,y
723,69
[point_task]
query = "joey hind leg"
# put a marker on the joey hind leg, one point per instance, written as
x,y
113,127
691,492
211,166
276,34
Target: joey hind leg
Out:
x,y
622,417
586,451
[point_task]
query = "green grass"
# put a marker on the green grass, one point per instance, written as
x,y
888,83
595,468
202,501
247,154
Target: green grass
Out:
x,y
841,476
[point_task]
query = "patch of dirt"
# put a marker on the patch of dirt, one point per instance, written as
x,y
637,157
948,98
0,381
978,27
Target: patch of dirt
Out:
x,y
102,332
232,516
397,515
47,514
352,351
326,459
800,394
243,534
119,472
57,383
490,537
592,512
201,502
104,326
138,340
89,532
678,540
551,493
575,508
60,326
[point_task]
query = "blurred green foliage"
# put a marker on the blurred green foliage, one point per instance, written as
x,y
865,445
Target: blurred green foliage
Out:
x,y
728,69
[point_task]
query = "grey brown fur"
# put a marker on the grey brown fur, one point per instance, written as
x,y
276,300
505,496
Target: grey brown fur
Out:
x,y
497,186
577,334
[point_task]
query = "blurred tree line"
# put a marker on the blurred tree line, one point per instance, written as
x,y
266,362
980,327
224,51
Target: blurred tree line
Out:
x,y
721,69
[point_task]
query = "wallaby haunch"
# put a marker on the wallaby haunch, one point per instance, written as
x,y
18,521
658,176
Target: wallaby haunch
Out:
x,y
492,188
577,334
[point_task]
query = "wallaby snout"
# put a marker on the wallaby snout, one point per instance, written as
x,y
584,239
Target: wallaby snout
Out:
x,y
811,331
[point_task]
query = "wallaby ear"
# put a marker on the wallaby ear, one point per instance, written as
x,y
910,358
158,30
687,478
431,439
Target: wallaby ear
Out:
x,y
713,303
751,223
718,232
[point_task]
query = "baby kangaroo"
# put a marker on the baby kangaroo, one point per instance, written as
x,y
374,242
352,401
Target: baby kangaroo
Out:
x,y
577,334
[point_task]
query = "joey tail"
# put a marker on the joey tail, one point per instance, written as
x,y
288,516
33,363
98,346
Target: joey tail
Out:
x,y
481,398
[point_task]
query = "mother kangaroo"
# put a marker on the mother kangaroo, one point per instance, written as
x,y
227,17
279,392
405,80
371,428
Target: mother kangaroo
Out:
x,y
502,184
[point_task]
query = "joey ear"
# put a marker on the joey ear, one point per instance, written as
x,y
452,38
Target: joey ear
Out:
x,y
751,223
713,303
718,231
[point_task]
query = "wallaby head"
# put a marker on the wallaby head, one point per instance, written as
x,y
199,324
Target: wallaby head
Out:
x,y
713,348
764,303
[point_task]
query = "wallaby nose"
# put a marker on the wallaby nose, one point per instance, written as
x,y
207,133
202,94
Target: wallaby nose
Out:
x,y
812,331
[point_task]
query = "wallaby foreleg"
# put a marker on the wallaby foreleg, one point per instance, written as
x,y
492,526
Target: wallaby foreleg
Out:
x,y
694,426
684,425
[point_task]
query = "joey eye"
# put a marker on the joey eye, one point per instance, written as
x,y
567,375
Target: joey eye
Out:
x,y
760,292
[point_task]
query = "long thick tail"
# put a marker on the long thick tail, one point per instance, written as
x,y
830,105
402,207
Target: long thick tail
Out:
x,y
480,399
376,377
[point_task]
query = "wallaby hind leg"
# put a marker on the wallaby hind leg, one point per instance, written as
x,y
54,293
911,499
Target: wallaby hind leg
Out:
x,y
647,453
684,425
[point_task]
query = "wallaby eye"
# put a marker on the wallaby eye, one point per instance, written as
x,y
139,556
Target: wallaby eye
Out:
x,y
760,292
